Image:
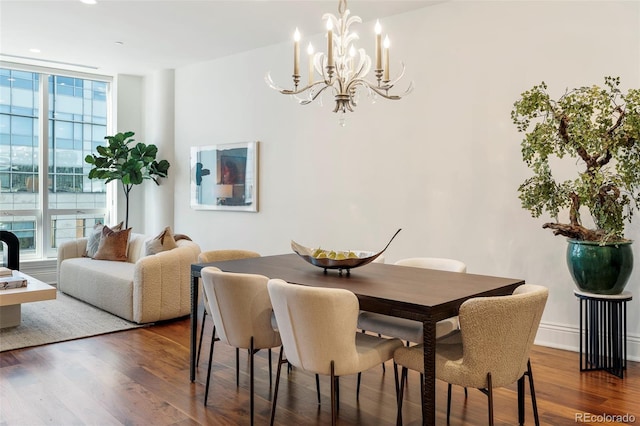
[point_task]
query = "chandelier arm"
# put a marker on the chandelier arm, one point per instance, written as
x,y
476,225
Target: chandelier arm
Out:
x,y
315,95
393,82
382,91
356,74
271,83
385,94
390,84
303,89
342,89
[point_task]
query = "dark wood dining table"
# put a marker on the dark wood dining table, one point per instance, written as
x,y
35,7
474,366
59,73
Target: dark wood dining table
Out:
x,y
424,295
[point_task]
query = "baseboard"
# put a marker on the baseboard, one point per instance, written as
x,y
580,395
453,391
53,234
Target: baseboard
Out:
x,y
568,338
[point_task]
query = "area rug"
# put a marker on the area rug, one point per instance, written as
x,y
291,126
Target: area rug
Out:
x,y
64,318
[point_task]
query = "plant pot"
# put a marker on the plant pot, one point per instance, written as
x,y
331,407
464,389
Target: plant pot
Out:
x,y
600,268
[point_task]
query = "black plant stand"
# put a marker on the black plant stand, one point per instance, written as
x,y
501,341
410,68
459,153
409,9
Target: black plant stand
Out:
x,y
603,332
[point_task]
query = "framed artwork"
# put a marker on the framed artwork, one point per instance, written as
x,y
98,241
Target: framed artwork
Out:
x,y
225,177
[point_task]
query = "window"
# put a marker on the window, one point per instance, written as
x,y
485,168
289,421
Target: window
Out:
x,y
75,113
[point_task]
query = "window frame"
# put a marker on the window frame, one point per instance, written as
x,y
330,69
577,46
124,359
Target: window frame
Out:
x,y
44,214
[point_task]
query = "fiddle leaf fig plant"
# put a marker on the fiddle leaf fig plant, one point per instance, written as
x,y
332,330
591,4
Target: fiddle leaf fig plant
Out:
x,y
597,127
129,163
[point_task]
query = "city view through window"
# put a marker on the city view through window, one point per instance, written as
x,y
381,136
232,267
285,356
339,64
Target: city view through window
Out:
x,y
75,111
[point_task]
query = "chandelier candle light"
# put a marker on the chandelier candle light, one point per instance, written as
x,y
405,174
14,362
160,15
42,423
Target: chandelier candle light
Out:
x,y
344,67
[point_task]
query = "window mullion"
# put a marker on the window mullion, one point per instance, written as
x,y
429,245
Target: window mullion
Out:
x,y
44,238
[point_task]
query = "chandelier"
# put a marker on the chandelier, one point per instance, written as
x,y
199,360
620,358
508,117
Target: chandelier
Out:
x,y
344,68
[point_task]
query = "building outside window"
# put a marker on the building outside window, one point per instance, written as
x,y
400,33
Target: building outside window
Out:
x,y
50,123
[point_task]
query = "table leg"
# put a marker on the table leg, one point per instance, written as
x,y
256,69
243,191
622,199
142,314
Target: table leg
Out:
x,y
194,328
429,388
10,315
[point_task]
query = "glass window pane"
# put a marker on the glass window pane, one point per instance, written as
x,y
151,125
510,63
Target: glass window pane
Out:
x,y
19,155
71,227
25,229
72,139
77,112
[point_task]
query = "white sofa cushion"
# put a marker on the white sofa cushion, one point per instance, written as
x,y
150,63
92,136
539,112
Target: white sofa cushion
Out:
x,y
102,283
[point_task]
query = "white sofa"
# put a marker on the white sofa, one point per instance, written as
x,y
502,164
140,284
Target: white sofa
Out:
x,y
143,289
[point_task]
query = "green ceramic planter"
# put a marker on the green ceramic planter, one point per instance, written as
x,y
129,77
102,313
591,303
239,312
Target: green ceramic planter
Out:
x,y
601,269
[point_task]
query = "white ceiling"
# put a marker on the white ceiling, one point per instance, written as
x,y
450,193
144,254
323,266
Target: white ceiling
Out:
x,y
161,34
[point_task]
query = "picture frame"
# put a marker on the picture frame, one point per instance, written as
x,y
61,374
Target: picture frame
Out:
x,y
225,177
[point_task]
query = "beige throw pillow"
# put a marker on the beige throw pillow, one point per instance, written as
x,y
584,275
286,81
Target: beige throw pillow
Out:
x,y
162,242
113,245
93,241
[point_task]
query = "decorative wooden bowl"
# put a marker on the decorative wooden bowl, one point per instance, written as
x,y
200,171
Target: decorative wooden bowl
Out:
x,y
346,264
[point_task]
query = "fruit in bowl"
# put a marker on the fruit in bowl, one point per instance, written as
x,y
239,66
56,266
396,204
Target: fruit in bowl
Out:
x,y
338,254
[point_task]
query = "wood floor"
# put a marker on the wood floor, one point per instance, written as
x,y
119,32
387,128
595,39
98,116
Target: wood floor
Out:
x,y
141,377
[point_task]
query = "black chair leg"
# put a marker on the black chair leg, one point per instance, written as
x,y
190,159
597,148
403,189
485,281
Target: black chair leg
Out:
x,y
275,391
206,390
251,370
237,367
318,387
358,386
533,394
384,369
449,402
400,397
520,388
422,389
333,396
270,370
204,317
490,395
395,377
396,382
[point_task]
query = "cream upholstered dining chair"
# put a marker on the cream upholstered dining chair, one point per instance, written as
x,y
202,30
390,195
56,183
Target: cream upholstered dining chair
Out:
x,y
406,329
490,350
220,256
241,310
319,335
379,259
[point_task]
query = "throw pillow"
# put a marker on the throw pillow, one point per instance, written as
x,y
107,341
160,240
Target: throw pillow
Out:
x,y
113,245
94,238
162,242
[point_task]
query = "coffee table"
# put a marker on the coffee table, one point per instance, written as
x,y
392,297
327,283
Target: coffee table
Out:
x,y
11,300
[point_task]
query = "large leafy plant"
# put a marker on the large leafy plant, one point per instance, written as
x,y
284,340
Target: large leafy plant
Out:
x,y
128,162
600,128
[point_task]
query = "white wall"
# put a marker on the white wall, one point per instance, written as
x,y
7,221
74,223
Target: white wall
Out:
x,y
146,107
130,117
443,164
159,130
